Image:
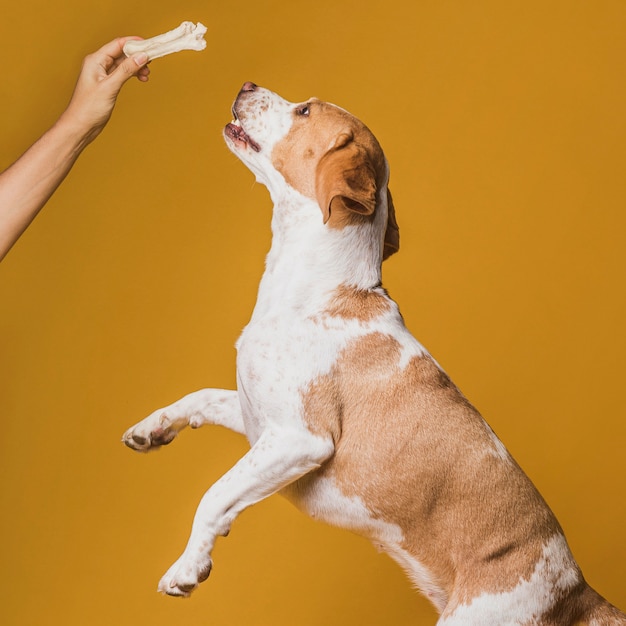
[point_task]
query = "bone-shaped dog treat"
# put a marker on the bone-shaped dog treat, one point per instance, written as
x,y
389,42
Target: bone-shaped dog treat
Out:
x,y
188,36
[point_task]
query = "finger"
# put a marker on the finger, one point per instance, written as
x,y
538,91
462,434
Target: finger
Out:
x,y
113,49
127,68
111,54
99,63
115,63
144,74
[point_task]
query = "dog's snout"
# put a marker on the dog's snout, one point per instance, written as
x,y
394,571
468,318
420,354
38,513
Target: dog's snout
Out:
x,y
248,86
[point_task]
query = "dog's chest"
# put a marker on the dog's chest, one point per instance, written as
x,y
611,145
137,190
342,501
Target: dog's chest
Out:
x,y
274,362
279,355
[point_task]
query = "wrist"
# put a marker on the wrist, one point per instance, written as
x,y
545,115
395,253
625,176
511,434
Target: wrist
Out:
x,y
75,131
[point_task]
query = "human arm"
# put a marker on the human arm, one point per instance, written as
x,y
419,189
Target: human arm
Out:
x,y
27,185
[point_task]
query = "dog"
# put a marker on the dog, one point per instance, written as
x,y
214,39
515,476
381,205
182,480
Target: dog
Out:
x,y
347,414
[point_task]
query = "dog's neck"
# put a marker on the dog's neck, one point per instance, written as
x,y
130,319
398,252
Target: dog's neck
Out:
x,y
309,260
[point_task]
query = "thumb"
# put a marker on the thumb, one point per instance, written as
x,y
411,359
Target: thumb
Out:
x,y
128,68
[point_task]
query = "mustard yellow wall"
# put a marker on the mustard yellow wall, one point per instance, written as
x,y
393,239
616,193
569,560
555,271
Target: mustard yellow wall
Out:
x,y
505,126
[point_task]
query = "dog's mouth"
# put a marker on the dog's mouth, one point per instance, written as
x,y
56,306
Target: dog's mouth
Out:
x,y
238,135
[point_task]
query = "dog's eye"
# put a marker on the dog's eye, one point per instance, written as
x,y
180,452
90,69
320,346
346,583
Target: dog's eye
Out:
x,y
303,110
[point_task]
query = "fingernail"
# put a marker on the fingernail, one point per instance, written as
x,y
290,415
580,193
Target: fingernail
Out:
x,y
140,59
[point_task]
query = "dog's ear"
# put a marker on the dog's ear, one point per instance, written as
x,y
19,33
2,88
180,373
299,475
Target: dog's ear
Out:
x,y
345,182
392,234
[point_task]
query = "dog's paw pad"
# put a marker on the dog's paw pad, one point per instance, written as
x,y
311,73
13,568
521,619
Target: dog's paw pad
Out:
x,y
162,436
138,439
181,580
152,433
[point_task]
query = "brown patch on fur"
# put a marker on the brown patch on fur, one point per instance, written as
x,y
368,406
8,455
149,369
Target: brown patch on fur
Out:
x,y
392,234
361,304
347,182
333,158
325,129
582,606
413,449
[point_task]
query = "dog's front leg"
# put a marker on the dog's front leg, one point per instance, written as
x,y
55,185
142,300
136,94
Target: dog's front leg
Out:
x,y
207,406
277,459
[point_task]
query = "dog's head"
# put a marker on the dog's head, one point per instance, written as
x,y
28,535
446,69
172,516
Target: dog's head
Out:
x,y
319,150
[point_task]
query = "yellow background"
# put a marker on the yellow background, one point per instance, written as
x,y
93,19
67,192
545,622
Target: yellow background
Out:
x,y
505,126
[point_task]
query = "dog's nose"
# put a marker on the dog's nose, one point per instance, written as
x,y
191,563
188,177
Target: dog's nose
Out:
x,y
248,86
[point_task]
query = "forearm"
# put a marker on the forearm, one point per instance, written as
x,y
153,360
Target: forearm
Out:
x,y
27,185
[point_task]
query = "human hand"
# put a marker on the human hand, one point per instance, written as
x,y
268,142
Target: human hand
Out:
x,y
102,75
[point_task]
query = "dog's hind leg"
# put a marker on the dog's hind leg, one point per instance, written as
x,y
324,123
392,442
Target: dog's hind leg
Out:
x,y
207,406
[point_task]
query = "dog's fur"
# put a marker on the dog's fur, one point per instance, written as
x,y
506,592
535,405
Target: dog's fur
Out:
x,y
347,414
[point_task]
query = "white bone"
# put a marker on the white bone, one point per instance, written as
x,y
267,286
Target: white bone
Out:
x,y
188,36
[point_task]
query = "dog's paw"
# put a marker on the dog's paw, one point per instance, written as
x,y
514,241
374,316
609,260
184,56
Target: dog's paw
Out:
x,y
151,433
184,576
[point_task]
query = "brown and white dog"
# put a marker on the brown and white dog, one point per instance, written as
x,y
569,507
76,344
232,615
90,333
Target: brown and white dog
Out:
x,y
347,414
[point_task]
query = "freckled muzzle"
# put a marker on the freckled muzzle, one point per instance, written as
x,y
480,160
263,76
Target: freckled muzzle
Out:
x,y
235,131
